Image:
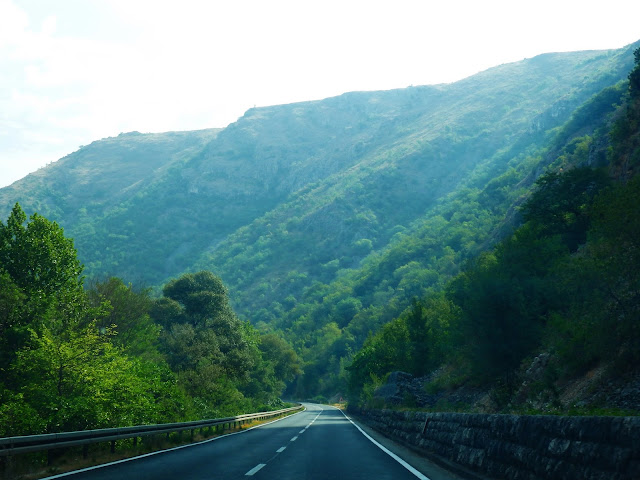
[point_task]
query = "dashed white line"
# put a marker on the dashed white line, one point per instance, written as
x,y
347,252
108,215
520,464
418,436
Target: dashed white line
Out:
x,y
281,449
302,431
158,452
294,439
255,469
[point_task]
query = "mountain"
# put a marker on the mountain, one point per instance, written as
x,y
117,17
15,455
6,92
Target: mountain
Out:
x,y
325,218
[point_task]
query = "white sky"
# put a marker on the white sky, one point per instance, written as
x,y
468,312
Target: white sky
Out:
x,y
75,71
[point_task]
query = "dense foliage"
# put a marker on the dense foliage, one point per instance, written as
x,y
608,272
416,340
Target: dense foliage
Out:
x,y
531,293
565,282
334,221
111,355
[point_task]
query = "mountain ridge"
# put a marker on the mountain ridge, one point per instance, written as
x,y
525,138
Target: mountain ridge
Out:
x,y
292,198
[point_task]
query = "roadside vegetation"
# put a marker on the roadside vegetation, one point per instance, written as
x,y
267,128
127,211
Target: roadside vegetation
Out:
x,y
566,283
534,249
108,355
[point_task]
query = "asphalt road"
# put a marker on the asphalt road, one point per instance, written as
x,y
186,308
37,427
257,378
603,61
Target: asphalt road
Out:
x,y
319,443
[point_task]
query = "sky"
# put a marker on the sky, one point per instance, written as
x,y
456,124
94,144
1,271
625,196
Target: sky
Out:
x,y
75,71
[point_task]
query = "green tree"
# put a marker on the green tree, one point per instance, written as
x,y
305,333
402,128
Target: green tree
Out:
x,y
380,354
38,257
505,298
277,352
81,381
202,296
560,204
61,368
41,283
634,76
11,306
624,153
603,285
204,342
128,311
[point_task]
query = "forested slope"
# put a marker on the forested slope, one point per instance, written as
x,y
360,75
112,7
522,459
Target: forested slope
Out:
x,y
563,286
325,219
332,174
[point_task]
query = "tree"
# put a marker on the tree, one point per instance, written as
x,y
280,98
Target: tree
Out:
x,y
634,76
203,340
81,381
128,311
38,257
504,298
61,367
202,296
560,204
276,351
41,283
418,345
11,305
624,152
604,282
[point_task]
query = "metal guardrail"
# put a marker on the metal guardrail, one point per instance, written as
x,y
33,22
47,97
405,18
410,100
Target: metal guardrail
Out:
x,y
49,441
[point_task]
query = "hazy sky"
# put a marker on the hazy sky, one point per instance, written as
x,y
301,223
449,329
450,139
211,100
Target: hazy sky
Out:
x,y
75,71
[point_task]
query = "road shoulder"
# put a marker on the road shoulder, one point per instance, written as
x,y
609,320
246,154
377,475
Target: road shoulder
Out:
x,y
434,470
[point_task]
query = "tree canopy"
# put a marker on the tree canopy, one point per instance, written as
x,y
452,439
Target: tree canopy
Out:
x,y
110,355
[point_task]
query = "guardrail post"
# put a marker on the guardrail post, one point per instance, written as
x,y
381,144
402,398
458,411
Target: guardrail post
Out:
x,y
53,444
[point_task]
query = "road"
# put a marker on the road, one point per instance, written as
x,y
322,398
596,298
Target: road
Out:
x,y
319,443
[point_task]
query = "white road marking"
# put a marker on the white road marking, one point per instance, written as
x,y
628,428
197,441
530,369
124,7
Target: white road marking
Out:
x,y
281,449
302,431
130,459
294,439
311,422
255,469
391,454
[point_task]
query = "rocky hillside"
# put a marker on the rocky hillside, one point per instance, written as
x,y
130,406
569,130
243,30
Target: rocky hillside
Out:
x,y
324,219
596,391
332,173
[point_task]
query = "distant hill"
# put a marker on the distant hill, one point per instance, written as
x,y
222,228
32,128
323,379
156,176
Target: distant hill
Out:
x,y
325,218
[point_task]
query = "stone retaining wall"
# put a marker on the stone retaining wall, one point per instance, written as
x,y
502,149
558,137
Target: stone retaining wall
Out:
x,y
519,447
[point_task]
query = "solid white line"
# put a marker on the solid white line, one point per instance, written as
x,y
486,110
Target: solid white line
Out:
x,y
254,469
130,459
281,449
391,454
294,439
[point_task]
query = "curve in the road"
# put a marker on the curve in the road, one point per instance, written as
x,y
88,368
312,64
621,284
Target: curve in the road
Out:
x,y
319,443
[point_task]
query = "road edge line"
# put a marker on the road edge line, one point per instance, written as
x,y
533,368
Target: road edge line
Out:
x,y
144,455
418,474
